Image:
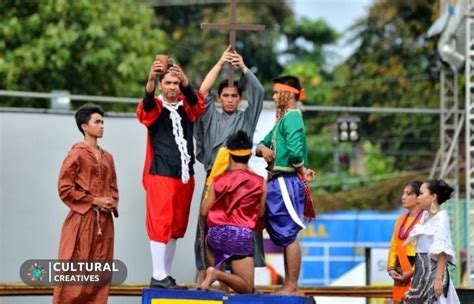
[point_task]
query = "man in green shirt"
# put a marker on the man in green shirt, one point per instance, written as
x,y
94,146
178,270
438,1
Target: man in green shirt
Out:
x,y
284,149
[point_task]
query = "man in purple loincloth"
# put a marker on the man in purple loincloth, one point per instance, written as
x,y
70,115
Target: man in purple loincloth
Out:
x,y
234,207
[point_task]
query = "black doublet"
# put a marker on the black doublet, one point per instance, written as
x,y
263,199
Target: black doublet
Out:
x,y
166,156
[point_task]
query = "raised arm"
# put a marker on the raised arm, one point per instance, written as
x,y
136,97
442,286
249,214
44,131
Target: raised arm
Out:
x,y
254,91
214,72
184,86
155,69
148,108
238,61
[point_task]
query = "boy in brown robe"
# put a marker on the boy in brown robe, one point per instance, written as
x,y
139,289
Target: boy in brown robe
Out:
x,y
88,186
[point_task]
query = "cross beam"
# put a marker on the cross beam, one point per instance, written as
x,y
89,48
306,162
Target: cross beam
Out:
x,y
232,27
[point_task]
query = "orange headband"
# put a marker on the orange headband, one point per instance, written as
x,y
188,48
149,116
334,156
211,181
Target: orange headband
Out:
x,y
287,88
241,152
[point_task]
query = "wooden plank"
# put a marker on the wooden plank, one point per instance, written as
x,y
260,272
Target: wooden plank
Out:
x,y
232,27
20,289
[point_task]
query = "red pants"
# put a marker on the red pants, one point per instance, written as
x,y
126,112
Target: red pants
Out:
x,y
168,202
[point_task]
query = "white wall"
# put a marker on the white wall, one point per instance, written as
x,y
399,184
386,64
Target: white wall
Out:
x,y
32,148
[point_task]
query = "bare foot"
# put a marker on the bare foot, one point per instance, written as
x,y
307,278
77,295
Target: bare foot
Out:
x,y
206,284
287,290
201,276
224,288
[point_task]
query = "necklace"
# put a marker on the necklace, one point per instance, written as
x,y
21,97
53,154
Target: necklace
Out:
x,y
402,235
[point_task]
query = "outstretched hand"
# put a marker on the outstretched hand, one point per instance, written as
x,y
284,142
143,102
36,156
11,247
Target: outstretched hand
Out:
x,y
234,58
309,174
394,275
156,68
406,276
267,153
238,61
226,56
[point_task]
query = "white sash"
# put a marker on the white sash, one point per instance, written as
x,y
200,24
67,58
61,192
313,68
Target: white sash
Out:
x,y
289,206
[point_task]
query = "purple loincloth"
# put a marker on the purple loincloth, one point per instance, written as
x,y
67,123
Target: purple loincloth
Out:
x,y
229,241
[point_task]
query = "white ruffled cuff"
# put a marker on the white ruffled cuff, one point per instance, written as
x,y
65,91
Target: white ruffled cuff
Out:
x,y
440,246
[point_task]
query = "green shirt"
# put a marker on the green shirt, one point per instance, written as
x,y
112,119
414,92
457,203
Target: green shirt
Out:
x,y
288,140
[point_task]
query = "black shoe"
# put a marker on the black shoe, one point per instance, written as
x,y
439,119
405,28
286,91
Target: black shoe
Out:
x,y
162,284
166,283
174,285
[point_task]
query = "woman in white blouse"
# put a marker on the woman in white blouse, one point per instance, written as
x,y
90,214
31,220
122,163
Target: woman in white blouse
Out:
x,y
434,248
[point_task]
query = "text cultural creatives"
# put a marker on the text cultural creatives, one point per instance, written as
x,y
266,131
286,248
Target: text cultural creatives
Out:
x,y
50,272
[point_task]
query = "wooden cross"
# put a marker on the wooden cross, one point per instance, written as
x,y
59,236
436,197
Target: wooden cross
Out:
x,y
232,27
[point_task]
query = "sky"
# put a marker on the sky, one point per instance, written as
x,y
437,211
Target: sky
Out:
x,y
339,14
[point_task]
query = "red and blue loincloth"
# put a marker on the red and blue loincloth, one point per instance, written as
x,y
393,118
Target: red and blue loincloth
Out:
x,y
285,206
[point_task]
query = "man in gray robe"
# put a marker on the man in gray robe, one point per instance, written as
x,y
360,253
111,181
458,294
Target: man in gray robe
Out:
x,y
214,127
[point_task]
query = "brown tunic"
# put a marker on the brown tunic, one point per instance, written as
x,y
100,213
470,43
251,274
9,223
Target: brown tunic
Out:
x,y
82,178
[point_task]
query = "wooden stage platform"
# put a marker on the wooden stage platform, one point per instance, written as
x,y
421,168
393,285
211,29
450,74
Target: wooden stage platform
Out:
x,y
20,289
16,289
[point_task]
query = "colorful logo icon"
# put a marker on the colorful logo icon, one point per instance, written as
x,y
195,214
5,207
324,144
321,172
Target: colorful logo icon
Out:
x,y
36,272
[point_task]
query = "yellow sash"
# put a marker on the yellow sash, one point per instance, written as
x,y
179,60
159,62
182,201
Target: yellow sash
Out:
x,y
221,163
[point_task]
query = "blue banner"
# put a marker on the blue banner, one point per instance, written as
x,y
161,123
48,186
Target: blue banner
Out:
x,y
335,242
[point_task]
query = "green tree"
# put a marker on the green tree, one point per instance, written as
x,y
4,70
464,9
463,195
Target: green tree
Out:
x,y
84,46
391,68
305,56
375,163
